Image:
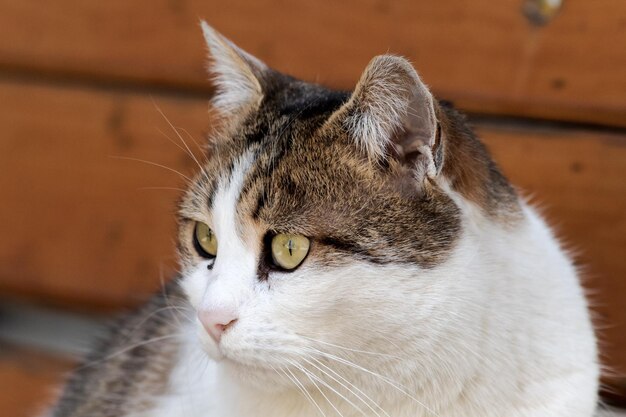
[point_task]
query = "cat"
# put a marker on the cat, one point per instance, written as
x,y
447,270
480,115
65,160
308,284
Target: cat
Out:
x,y
347,254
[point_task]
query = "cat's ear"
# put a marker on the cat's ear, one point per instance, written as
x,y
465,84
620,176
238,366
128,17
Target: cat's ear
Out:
x,y
391,114
237,75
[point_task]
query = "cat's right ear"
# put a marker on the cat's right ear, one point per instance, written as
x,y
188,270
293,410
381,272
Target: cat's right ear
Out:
x,y
237,75
391,114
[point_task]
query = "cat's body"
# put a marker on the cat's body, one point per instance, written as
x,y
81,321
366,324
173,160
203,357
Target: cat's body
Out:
x,y
430,289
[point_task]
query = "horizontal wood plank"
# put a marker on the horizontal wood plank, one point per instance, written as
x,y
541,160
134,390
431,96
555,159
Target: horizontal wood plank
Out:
x,y
484,55
79,224
80,230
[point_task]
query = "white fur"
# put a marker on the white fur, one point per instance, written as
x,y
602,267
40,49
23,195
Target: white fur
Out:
x,y
501,329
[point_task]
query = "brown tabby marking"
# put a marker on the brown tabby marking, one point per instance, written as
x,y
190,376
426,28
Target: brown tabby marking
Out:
x,y
309,177
126,370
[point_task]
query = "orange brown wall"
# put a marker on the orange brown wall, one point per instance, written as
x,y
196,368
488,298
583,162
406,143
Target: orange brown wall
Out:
x,y
84,225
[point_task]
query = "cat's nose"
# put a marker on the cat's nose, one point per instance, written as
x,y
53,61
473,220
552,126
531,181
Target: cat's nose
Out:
x,y
217,321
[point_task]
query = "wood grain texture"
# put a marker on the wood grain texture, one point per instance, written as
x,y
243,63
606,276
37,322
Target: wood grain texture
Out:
x,y
78,225
484,55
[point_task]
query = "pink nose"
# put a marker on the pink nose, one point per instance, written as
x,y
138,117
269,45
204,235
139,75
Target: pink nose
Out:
x,y
217,321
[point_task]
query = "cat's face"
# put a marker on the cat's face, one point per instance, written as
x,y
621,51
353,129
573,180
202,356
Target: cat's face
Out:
x,y
377,231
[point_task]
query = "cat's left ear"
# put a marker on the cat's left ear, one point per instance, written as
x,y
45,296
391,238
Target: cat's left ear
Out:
x,y
237,75
391,114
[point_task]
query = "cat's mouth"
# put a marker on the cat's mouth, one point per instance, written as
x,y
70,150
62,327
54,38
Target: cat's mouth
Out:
x,y
252,358
236,358
255,366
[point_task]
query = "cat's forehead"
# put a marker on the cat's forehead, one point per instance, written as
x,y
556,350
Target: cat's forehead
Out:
x,y
283,141
292,166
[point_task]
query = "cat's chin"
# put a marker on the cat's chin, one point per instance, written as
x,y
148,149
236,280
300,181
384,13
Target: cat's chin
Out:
x,y
210,348
254,376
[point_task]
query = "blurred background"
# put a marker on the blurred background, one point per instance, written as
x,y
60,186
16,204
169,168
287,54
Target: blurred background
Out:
x,y
88,90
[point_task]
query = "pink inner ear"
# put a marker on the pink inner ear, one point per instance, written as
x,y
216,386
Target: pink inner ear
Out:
x,y
420,118
391,112
407,148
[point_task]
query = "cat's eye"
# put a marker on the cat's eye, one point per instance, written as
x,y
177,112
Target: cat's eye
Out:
x,y
205,240
289,250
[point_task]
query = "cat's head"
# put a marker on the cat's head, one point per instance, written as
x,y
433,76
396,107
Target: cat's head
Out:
x,y
322,231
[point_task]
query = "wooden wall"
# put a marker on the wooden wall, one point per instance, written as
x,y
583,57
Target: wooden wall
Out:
x,y
82,83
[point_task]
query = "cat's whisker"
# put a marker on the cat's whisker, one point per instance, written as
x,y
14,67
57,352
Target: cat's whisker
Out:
x,y
174,142
181,139
185,150
312,378
128,333
163,188
367,404
299,386
193,381
109,396
127,349
207,362
168,300
381,377
302,389
351,349
190,136
128,158
329,369
151,316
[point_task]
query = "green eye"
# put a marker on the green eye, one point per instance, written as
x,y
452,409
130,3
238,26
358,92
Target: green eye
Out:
x,y
288,251
206,240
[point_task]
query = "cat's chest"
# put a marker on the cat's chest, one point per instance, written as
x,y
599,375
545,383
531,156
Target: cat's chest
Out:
x,y
210,398
196,388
